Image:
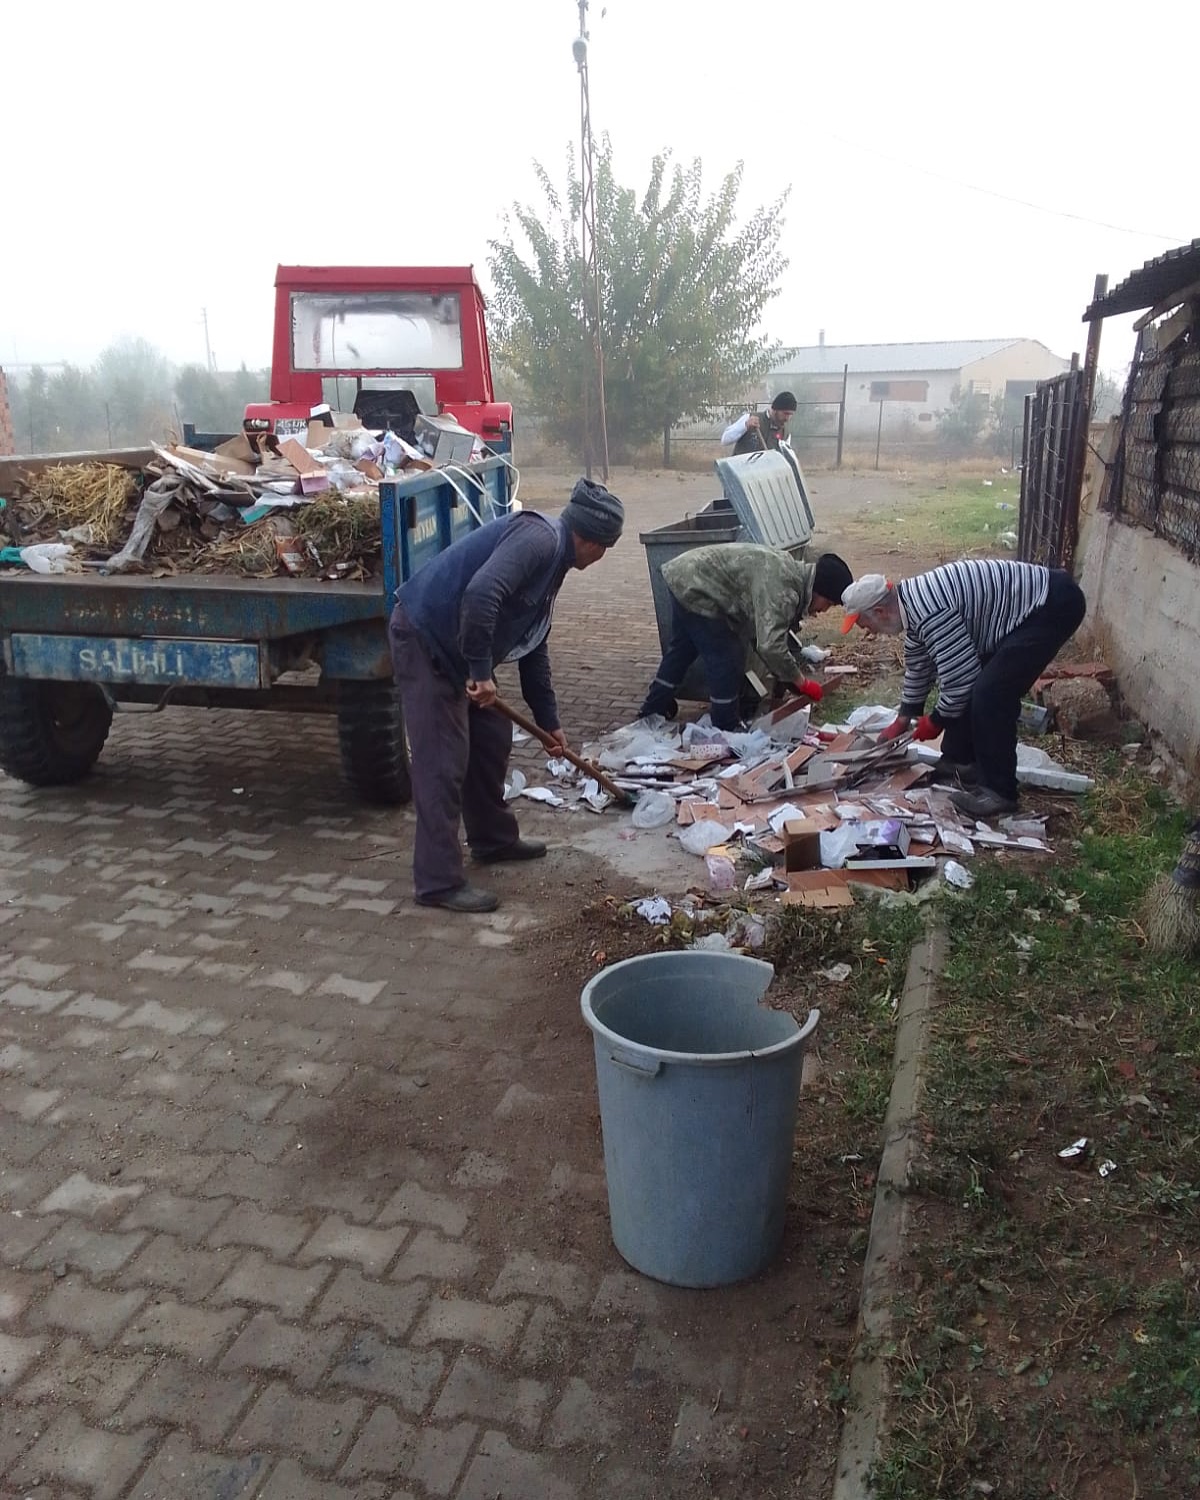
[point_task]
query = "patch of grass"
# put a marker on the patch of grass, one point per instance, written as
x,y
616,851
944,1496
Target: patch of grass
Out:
x,y
1054,1334
962,514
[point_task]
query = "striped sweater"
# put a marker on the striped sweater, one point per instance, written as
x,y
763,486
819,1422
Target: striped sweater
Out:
x,y
954,618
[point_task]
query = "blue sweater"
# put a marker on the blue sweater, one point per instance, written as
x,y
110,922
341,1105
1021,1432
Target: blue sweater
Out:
x,y
489,598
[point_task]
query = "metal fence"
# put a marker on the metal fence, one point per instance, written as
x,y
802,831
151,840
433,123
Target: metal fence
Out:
x,y
1155,477
1052,452
803,432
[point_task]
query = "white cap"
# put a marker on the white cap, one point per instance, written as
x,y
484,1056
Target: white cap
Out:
x,y
864,593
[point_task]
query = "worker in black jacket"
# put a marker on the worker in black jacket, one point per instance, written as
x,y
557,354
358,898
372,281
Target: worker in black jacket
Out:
x,y
756,431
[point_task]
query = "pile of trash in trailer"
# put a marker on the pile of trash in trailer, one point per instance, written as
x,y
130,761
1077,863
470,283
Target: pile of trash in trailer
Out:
x,y
256,506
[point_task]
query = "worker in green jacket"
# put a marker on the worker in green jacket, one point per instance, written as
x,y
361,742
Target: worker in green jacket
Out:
x,y
727,596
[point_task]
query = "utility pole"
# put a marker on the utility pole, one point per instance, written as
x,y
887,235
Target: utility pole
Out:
x,y
590,258
208,357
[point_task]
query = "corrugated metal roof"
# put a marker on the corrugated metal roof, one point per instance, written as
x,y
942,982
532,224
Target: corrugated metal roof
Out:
x,y
1159,278
871,359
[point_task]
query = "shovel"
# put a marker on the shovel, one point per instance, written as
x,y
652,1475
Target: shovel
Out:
x,y
621,797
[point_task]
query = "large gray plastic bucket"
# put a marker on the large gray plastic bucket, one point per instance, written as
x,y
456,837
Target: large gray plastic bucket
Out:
x,y
698,1087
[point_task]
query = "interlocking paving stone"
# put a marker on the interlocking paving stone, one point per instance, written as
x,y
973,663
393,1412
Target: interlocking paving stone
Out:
x,y
74,1373
72,1452
372,1249
288,1290
92,1313
266,1343
405,1376
181,1470
317,1431
499,1468
90,1250
200,1333
178,1391
480,1393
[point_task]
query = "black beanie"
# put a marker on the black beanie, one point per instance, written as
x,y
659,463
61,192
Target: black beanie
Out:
x,y
594,513
785,401
832,577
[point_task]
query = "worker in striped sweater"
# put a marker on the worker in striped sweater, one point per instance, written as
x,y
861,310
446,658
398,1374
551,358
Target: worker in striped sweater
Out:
x,y
984,630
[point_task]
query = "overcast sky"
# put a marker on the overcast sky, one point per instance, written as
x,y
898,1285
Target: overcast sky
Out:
x,y
162,160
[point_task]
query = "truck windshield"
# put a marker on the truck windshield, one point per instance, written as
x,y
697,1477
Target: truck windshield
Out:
x,y
376,331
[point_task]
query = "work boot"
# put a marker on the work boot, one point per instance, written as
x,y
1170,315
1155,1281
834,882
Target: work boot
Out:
x,y
522,849
983,802
961,774
465,898
666,707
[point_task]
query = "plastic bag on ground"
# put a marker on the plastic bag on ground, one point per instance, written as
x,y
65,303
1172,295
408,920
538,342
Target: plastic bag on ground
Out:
x,y
654,810
839,845
721,873
699,838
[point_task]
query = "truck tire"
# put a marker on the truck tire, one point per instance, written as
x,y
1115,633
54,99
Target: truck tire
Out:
x,y
51,733
371,739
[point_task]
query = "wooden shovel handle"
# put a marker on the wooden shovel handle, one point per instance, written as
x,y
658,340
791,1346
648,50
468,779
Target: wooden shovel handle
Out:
x,y
547,744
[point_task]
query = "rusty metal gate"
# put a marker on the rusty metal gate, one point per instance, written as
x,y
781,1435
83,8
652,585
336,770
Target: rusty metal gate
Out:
x,y
1052,454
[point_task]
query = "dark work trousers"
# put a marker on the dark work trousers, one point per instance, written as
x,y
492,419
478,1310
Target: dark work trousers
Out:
x,y
987,732
459,756
724,658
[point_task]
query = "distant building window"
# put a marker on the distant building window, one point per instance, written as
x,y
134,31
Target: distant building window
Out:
x,y
1017,390
981,388
899,390
827,390
924,416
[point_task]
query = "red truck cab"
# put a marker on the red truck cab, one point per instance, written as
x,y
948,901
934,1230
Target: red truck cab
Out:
x,y
385,342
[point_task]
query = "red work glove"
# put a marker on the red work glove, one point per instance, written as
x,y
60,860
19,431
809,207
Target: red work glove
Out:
x,y
894,730
807,688
926,729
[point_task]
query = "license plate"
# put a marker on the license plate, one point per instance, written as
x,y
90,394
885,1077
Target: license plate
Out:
x,y
80,658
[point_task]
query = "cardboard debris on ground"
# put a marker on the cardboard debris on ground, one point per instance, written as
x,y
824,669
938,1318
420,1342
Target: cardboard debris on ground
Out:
x,y
822,811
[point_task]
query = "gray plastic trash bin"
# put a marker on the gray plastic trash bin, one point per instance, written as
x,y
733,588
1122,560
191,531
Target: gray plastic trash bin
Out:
x,y
698,1087
716,523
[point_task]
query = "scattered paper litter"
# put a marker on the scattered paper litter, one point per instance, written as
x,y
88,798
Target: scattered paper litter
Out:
x,y
515,785
957,875
954,838
542,794
654,909
594,795
836,973
558,766
788,813
763,881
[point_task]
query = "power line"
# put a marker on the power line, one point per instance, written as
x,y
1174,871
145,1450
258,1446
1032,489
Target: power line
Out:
x,y
974,187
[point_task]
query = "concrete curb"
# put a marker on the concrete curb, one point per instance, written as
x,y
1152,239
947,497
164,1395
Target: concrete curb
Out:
x,y
866,1406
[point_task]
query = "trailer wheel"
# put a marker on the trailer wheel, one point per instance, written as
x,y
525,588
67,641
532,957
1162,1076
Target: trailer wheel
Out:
x,y
371,739
51,733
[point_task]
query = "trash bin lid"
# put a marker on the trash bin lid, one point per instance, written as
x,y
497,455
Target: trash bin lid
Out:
x,y
767,491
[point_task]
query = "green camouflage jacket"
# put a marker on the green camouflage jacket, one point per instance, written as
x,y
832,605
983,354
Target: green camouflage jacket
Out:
x,y
758,591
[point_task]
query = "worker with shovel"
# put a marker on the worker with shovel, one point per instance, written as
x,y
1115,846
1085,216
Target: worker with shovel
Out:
x,y
488,598
984,629
724,597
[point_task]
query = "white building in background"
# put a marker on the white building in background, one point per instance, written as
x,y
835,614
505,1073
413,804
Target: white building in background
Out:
x,y
911,382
